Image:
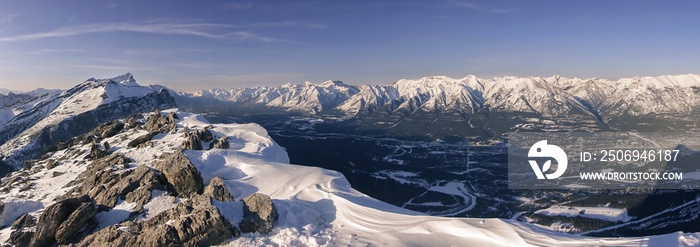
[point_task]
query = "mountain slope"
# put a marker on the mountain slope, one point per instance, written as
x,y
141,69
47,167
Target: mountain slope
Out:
x,y
59,117
316,207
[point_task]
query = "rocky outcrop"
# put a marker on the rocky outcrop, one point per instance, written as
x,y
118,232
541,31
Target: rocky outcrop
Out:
x,y
180,173
75,221
139,141
108,129
192,141
217,190
160,123
97,152
205,135
22,230
191,223
259,213
62,220
221,143
107,186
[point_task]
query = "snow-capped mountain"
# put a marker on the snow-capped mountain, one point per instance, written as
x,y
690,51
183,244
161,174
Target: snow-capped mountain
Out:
x,y
476,106
45,120
306,97
52,202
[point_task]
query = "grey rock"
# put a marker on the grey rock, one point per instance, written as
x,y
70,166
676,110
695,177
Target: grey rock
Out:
x,y
107,180
53,217
108,129
221,143
23,230
218,191
75,221
50,164
259,214
205,135
141,139
159,123
96,152
192,141
191,223
140,196
24,221
180,173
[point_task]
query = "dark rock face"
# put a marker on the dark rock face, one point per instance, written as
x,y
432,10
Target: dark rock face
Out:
x,y
221,143
218,191
259,213
192,223
62,220
180,173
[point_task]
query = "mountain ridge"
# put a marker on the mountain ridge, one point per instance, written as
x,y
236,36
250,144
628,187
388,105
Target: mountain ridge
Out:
x,y
499,104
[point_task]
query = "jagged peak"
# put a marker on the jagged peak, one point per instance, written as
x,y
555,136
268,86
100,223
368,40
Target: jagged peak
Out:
x,y
329,83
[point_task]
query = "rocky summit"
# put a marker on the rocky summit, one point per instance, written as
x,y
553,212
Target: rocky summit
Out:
x,y
137,188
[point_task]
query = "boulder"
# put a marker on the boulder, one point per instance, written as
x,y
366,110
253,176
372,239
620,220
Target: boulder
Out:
x,y
259,214
159,123
96,152
56,217
22,230
205,135
194,222
180,173
221,143
218,191
75,221
192,141
108,129
106,186
141,139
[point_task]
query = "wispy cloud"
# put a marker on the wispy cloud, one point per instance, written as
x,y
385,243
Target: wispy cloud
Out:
x,y
45,51
214,31
111,68
7,19
111,6
483,8
237,5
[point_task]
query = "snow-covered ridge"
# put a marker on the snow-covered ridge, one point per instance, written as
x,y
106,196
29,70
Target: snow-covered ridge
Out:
x,y
21,130
316,207
546,96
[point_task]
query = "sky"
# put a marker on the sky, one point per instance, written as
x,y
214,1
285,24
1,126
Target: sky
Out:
x,y
188,45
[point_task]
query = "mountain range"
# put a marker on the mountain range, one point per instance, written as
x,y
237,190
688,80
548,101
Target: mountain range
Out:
x,y
438,106
91,166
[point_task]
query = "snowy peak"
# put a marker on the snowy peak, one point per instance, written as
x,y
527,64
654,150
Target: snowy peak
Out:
x,y
58,116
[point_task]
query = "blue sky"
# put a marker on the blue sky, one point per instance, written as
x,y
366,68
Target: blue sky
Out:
x,y
205,44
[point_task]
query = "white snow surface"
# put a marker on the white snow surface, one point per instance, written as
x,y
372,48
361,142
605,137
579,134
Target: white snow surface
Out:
x,y
601,213
317,207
